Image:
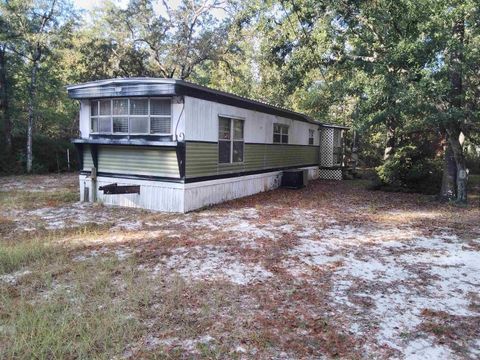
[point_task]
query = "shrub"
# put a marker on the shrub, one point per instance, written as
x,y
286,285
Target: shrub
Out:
x,y
411,170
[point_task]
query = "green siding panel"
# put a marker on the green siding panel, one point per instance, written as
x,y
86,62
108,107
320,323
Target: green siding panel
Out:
x,y
148,161
87,158
202,158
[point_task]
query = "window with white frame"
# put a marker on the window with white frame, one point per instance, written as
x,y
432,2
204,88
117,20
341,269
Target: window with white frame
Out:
x,y
230,140
311,136
131,116
280,134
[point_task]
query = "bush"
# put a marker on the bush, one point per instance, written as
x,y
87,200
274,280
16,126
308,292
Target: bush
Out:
x,y
411,170
473,162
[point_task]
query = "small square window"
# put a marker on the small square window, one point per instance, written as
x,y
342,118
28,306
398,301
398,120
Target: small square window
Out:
x,y
105,107
280,133
120,107
160,125
223,128
104,124
120,124
139,125
160,107
138,106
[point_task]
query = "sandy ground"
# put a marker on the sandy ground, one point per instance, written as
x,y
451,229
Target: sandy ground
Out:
x,y
333,270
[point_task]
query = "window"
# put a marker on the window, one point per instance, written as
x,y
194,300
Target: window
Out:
x,y
280,134
311,135
131,116
230,140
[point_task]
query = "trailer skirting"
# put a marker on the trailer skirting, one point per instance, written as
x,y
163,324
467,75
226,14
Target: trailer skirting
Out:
x,y
180,197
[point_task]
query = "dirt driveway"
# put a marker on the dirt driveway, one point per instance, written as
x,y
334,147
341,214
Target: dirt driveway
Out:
x,y
333,270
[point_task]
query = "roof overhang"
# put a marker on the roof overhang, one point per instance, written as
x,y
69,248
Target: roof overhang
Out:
x,y
335,126
130,87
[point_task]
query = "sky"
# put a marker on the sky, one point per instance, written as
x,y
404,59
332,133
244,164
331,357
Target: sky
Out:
x,y
91,4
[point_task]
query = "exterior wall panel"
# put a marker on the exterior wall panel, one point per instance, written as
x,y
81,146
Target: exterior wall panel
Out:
x,y
87,158
128,160
201,123
202,158
138,161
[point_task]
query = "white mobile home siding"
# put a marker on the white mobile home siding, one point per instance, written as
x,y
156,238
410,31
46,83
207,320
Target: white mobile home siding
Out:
x,y
201,123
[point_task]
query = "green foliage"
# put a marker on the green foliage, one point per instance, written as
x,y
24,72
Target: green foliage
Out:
x,y
50,155
410,170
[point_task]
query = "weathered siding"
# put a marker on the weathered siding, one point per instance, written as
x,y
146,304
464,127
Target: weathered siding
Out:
x,y
138,161
201,123
202,158
87,158
131,160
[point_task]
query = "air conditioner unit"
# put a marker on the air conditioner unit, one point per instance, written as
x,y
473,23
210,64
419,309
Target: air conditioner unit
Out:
x,y
294,178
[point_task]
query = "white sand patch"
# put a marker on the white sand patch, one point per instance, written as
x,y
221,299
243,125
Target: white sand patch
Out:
x,y
375,270
152,342
213,263
64,216
313,253
423,349
13,278
77,214
120,253
399,295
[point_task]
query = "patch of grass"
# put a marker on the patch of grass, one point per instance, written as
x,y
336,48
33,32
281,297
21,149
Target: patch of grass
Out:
x,y
36,199
6,225
83,317
15,256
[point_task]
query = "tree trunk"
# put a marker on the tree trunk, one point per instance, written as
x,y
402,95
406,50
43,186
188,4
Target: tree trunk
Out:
x,y
456,100
391,140
4,114
449,179
31,111
462,176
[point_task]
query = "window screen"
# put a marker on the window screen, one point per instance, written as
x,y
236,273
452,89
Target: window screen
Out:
x,y
131,116
105,107
223,152
120,107
105,124
138,125
138,106
160,125
120,124
160,107
280,133
230,140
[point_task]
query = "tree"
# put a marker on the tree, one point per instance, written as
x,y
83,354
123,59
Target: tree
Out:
x,y
34,27
175,41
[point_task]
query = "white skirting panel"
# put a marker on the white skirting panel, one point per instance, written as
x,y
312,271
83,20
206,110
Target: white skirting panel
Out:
x,y
201,194
178,197
154,195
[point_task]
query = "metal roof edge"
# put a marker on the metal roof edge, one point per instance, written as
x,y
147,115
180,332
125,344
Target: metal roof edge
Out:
x,y
204,89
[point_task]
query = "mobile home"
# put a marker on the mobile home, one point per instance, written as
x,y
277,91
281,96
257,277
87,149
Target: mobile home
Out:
x,y
170,145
